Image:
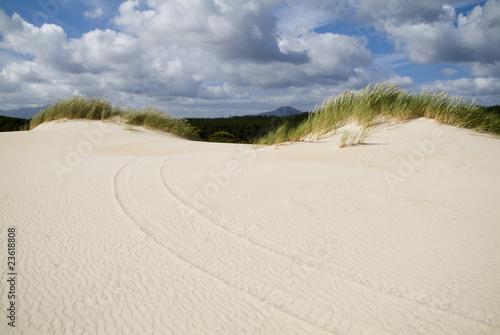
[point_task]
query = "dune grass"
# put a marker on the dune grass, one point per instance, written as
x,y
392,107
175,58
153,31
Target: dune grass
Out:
x,y
387,101
365,107
351,137
102,109
155,119
76,108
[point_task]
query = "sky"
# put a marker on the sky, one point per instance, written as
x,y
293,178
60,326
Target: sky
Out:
x,y
207,58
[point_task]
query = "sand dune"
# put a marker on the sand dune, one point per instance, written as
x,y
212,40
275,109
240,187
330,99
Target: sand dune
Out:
x,y
128,231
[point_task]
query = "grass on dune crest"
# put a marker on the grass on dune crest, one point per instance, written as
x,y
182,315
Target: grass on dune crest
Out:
x,y
102,109
76,108
388,101
155,119
365,107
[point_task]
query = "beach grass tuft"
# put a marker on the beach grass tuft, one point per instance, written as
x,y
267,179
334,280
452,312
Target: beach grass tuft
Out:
x,y
385,101
366,107
76,108
352,137
102,109
154,119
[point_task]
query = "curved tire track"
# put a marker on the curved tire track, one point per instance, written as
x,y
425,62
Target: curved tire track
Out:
x,y
413,295
254,267
181,240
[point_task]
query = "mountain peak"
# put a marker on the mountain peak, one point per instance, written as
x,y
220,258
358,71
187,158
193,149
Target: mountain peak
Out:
x,y
282,111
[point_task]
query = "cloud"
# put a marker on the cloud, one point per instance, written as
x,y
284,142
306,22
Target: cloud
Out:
x,y
478,69
130,19
399,12
93,14
401,81
26,39
449,72
486,91
334,59
176,51
95,52
391,60
471,37
431,32
299,18
231,55
232,31
95,64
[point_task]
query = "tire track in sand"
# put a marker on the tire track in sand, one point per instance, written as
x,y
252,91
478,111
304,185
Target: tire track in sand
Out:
x,y
319,300
228,257
424,298
413,295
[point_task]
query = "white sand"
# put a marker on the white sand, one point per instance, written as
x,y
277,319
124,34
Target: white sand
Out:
x,y
149,234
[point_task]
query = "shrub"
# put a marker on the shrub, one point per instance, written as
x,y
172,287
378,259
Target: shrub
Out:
x,y
223,137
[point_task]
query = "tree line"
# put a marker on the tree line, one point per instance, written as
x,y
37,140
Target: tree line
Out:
x,y
241,129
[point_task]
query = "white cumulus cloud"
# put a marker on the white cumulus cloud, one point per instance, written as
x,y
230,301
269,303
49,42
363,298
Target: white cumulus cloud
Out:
x,y
93,14
471,37
450,72
236,56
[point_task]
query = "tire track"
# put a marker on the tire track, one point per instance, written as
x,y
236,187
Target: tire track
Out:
x,y
410,294
223,255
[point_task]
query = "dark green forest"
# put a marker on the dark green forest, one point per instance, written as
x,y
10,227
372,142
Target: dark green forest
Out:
x,y
241,129
13,123
492,109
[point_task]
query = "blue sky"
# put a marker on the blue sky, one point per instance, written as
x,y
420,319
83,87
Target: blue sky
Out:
x,y
232,57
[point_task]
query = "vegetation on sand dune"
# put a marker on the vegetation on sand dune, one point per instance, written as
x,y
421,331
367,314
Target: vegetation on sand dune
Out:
x,y
223,137
76,108
365,107
155,119
388,101
247,128
101,109
350,137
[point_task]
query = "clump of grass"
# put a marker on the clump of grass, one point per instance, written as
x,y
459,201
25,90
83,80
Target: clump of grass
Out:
x,y
76,108
346,139
101,109
350,137
155,119
387,101
24,127
223,137
280,135
363,135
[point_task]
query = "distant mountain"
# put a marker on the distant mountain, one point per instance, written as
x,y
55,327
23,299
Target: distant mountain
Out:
x,y
282,111
24,113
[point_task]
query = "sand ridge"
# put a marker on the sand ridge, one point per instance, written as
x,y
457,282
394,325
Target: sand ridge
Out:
x,y
143,232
